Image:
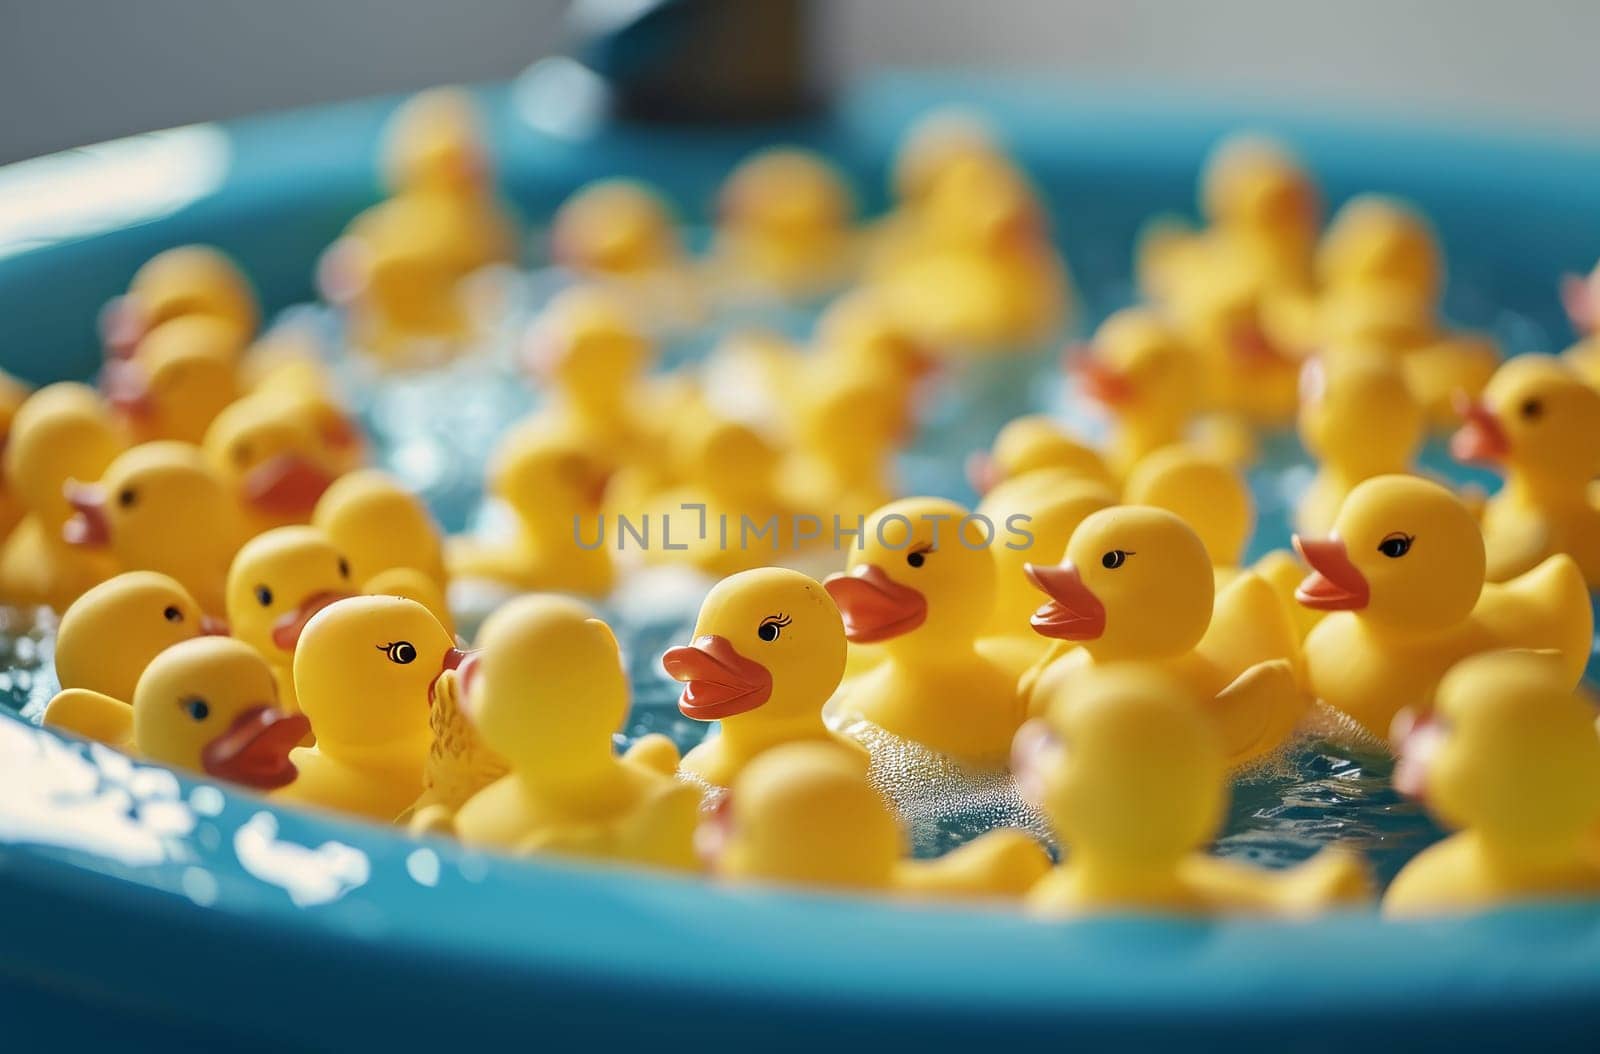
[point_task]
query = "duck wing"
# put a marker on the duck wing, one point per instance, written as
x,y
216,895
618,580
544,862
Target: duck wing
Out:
x,y
1002,863
1546,608
1258,710
91,715
1249,625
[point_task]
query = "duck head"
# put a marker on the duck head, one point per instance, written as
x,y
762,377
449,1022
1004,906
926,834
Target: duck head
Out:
x,y
1375,239
1055,502
185,282
63,432
922,580
1030,444
1357,412
804,814
210,705
1135,584
1509,750
280,579
546,474
1537,416
109,635
364,671
150,506
183,376
370,516
587,345
784,193
547,689
769,640
1255,185
434,142
268,447
1137,364
615,227
1210,496
1128,768
1404,552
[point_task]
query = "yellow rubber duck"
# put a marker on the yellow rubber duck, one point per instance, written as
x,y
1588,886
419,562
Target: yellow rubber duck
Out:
x,y
1373,238
1213,498
784,226
862,330
62,432
206,705
1148,380
160,507
547,692
621,233
921,584
1136,586
1401,574
846,429
379,525
459,762
1248,369
1054,502
768,652
364,673
188,281
1359,419
109,635
1510,759
554,486
804,814
1033,443
13,393
278,580
271,453
1541,423
589,349
1135,780
183,374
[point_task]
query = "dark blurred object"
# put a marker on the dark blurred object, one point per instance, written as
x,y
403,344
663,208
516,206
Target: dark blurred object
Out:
x,y
699,60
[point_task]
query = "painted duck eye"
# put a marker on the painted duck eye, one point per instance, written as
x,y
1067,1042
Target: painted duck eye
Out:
x,y
198,709
771,628
126,497
1532,410
918,557
263,596
401,652
1396,545
173,613
344,568
1114,559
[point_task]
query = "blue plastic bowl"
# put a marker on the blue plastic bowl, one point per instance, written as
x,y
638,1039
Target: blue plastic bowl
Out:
x,y
150,912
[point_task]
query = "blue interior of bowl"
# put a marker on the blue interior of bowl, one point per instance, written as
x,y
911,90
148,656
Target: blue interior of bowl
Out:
x,y
148,910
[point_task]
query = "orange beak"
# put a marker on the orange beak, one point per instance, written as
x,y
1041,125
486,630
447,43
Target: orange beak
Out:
x,y
255,749
455,659
875,607
286,631
126,387
1415,741
1481,436
1073,612
1577,296
1250,344
1106,385
211,626
122,327
1334,584
718,682
89,526
286,485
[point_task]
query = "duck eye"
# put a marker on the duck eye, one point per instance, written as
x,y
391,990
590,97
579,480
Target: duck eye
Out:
x,y
1532,409
344,568
918,557
263,596
1114,559
402,652
1396,545
771,628
126,497
198,709
173,613
241,454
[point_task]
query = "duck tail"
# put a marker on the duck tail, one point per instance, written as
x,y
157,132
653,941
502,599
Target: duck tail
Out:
x,y
1546,608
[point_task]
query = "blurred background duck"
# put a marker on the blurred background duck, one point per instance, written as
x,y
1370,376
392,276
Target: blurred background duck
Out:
x,y
784,228
1147,380
621,233
62,432
13,393
189,281
276,457
181,375
1034,443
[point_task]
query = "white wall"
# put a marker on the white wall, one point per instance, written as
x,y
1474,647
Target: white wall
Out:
x,y
76,71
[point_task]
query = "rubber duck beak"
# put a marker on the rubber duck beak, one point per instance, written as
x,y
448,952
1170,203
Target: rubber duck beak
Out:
x,y
465,663
718,682
1415,741
1073,612
286,631
126,387
286,485
255,748
1334,584
1250,345
981,472
874,606
211,626
1578,298
1104,384
1481,436
122,327
89,526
